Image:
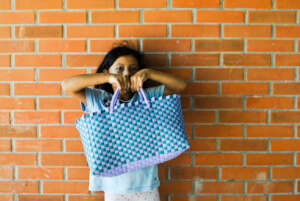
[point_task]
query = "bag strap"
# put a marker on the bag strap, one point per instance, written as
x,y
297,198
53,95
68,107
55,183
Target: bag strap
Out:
x,y
142,95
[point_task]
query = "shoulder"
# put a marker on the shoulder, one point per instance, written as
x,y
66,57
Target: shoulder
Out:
x,y
93,92
155,91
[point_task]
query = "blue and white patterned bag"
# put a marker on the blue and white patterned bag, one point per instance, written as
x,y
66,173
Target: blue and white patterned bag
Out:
x,y
131,136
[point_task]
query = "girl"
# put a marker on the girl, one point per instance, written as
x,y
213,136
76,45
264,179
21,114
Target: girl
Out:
x,y
122,68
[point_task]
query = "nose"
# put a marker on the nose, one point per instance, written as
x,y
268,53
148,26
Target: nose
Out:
x,y
126,73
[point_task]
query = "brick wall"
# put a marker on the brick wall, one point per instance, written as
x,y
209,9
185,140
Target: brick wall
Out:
x,y
241,107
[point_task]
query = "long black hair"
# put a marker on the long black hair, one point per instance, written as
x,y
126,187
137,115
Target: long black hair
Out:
x,y
121,50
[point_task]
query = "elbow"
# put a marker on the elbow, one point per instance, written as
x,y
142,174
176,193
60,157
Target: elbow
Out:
x,y
66,85
183,86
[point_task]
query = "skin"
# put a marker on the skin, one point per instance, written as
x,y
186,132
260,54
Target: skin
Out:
x,y
124,68
125,74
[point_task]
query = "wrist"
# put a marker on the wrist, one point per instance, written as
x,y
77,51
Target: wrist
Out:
x,y
148,72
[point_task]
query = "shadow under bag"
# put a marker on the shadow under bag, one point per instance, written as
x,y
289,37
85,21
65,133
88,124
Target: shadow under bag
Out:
x,y
131,136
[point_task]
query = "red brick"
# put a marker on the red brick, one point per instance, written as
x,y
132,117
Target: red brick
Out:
x,y
90,31
90,4
287,4
273,187
4,118
268,131
48,17
5,61
37,89
59,132
287,59
195,4
273,17
39,32
245,173
18,131
218,74
78,174
63,159
194,59
286,88
270,74
220,16
36,4
243,117
269,159
5,146
10,46
208,45
6,173
115,17
59,103
65,187
18,159
287,31
38,146
285,117
71,117
195,30
105,46
17,18
243,145
168,16
142,31
166,45
247,31
74,146
5,5
36,117
217,131
5,32
193,173
11,103
39,197
218,102
247,59
270,46
4,89
19,186
38,60
142,4
218,159
17,75
269,103
258,4
58,74
62,46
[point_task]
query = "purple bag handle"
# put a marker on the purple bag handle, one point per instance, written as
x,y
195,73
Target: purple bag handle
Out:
x,y
115,97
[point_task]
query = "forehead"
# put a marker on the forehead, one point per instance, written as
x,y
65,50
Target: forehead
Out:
x,y
128,59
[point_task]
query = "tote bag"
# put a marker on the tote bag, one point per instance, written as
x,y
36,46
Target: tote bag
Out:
x,y
131,136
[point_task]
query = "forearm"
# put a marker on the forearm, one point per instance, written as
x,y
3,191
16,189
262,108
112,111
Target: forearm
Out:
x,y
78,82
170,81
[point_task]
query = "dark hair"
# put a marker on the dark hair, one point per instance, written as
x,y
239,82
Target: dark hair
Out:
x,y
120,50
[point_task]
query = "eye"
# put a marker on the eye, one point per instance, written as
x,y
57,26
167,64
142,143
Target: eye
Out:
x,y
134,68
119,68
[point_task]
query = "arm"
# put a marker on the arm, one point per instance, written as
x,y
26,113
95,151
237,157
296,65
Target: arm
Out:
x,y
76,85
172,83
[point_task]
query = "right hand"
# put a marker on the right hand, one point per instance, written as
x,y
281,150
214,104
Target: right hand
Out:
x,y
120,81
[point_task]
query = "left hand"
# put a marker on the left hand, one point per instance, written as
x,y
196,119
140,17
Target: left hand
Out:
x,y
138,79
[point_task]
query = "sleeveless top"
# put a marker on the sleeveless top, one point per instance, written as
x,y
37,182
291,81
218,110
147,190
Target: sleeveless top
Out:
x,y
141,180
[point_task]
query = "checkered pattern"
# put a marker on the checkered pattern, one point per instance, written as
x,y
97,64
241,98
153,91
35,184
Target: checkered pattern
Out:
x,y
133,136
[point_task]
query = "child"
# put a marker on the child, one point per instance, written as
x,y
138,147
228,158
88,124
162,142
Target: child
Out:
x,y
122,68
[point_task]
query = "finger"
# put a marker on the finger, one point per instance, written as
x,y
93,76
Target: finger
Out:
x,y
133,83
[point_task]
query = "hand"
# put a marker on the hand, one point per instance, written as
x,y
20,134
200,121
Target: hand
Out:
x,y
119,81
138,79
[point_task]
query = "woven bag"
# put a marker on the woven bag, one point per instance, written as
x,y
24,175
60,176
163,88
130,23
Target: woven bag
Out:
x,y
131,136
